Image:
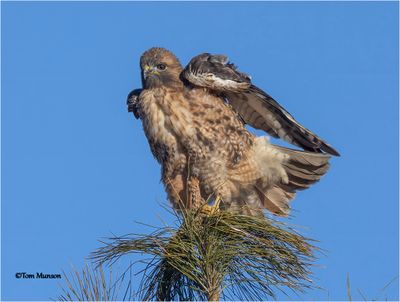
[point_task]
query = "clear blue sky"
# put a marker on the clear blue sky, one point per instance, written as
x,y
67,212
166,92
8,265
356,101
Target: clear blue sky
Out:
x,y
76,166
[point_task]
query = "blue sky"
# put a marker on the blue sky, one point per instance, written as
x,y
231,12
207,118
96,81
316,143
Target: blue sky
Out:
x,y
76,166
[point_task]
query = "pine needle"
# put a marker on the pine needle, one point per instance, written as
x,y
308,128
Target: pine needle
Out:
x,y
92,284
223,255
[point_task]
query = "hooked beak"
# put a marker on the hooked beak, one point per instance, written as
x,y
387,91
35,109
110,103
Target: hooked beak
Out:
x,y
147,70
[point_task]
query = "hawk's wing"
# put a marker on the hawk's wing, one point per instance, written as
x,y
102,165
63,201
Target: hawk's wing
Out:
x,y
215,72
132,102
255,106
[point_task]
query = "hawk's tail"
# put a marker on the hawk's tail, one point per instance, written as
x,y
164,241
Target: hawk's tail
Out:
x,y
303,170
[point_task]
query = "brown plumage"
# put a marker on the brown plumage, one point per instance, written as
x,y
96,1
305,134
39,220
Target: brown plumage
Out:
x,y
193,120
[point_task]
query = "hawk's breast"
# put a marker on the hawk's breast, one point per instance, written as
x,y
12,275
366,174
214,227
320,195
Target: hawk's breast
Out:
x,y
166,122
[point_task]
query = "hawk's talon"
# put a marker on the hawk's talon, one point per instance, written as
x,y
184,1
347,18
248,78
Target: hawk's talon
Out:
x,y
211,210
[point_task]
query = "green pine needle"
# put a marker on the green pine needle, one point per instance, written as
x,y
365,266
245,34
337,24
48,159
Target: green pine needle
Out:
x,y
223,255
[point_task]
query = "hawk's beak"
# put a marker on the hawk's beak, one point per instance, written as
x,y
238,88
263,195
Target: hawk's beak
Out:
x,y
147,70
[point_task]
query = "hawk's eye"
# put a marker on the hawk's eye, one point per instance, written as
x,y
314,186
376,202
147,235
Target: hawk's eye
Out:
x,y
161,66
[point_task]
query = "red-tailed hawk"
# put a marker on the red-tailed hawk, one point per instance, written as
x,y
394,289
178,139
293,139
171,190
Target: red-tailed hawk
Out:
x,y
194,119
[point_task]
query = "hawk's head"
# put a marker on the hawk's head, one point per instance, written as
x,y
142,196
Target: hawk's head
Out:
x,y
159,68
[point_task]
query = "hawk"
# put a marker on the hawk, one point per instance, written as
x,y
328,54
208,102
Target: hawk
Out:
x,y
194,119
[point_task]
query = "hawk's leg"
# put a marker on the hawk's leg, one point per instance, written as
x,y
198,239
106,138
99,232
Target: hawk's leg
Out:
x,y
194,196
175,187
195,200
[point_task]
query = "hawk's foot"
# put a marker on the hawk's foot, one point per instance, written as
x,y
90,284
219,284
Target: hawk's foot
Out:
x,y
211,209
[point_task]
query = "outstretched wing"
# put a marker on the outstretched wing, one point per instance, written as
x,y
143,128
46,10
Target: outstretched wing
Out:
x,y
256,107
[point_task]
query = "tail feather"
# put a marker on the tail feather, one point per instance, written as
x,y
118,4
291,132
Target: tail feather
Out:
x,y
303,169
305,157
276,200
